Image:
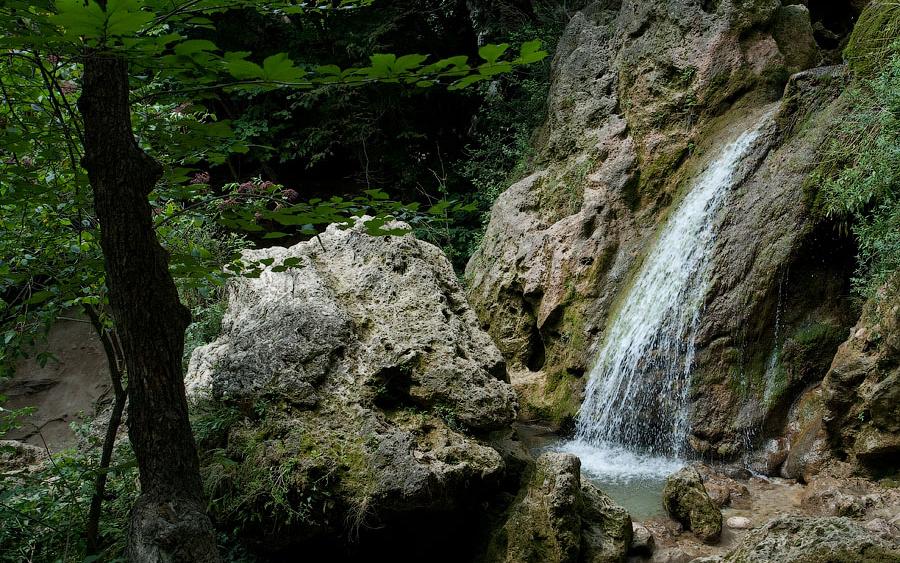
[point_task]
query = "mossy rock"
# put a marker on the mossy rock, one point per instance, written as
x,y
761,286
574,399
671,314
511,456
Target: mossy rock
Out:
x,y
870,43
551,398
686,500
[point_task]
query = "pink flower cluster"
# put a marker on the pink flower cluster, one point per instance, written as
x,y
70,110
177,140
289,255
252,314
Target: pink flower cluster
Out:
x,y
255,187
291,195
200,178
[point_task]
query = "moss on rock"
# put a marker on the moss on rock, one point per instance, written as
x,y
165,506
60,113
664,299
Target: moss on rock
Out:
x,y
686,500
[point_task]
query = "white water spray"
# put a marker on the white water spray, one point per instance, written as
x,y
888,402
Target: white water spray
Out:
x,y
636,403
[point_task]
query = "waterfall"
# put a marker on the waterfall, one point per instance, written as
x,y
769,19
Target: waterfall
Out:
x,y
636,402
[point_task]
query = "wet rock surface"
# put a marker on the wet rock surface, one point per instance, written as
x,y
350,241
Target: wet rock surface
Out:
x,y
861,391
813,539
866,511
686,501
643,94
561,518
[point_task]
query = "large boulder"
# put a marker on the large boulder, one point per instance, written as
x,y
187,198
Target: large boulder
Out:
x,y
806,439
686,500
813,540
562,519
356,389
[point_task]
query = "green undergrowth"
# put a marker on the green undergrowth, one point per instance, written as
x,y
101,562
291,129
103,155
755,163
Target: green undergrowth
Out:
x,y
43,510
856,183
500,150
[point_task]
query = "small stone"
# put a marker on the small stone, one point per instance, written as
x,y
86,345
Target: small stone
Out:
x,y
739,523
642,542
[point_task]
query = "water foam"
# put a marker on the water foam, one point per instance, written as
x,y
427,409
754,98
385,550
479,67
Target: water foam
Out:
x,y
619,465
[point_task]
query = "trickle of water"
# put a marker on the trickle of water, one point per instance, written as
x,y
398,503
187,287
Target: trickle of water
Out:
x,y
775,356
636,398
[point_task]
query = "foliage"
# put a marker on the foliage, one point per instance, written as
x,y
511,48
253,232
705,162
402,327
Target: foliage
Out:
x,y
276,475
56,261
43,509
177,78
858,177
500,147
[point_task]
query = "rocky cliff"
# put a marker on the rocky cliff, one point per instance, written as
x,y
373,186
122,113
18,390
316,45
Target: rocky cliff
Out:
x,y
643,94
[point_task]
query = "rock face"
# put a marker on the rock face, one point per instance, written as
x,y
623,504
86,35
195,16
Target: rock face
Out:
x,y
862,389
356,385
67,387
643,95
722,490
561,519
686,501
806,438
794,538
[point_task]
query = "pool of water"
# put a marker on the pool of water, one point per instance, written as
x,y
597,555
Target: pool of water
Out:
x,y
635,481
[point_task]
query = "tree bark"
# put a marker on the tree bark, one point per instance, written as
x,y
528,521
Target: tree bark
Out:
x,y
168,521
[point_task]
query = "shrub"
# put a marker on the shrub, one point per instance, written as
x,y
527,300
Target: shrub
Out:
x,y
857,180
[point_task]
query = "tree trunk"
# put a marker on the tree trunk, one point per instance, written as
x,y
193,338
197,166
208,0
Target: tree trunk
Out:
x,y
112,429
168,521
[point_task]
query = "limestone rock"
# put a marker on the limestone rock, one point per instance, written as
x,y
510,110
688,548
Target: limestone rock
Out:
x,y
687,502
808,449
793,538
359,377
562,519
16,456
642,95
642,541
851,497
739,523
606,530
861,391
722,489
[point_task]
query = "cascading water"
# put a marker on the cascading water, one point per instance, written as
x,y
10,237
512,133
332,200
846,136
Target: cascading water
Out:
x,y
633,422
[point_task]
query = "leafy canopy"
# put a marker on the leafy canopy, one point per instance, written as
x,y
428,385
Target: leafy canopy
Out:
x,y
50,259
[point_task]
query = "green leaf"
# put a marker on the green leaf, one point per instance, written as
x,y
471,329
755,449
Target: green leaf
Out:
x,y
244,70
467,81
78,19
190,46
530,52
491,53
493,69
407,63
279,68
125,17
530,47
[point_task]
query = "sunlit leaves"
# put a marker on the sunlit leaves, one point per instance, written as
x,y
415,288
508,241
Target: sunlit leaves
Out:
x,y
491,53
90,21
